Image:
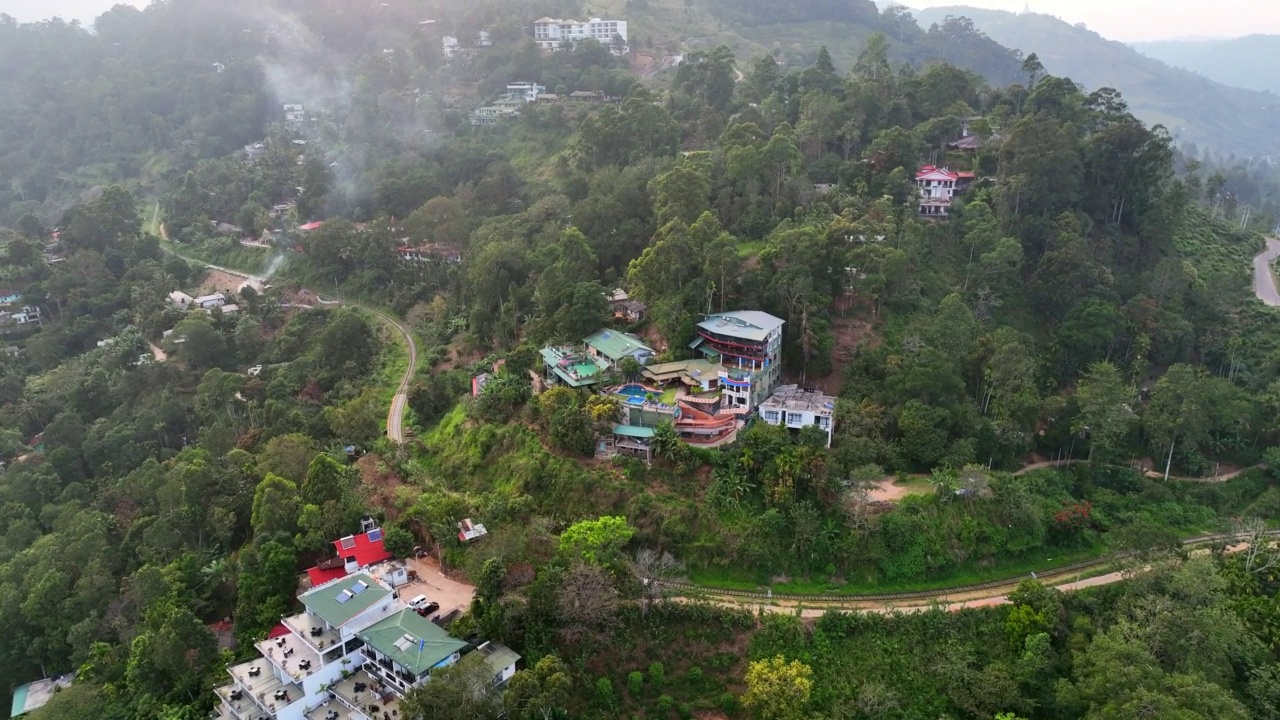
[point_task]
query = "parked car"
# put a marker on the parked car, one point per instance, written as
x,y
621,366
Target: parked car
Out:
x,y
418,601
428,609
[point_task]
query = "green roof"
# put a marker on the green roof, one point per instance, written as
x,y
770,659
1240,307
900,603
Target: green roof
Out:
x,y
617,345
412,641
338,602
632,431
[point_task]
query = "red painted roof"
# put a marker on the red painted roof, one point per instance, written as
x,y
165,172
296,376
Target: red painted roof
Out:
x,y
365,551
311,226
278,631
320,576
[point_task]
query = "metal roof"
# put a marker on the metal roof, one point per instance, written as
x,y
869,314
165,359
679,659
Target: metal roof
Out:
x,y
632,431
340,601
412,641
752,325
616,345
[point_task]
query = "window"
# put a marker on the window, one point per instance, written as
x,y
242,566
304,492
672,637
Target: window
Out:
x,y
794,418
771,416
824,423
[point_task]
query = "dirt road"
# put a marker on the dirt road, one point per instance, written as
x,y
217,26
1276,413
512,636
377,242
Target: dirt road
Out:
x,y
395,414
1264,280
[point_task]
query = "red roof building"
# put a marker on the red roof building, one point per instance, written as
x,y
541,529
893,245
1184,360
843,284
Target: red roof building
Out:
x,y
310,226
354,553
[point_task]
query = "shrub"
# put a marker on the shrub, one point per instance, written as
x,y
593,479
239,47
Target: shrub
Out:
x,y
729,703
657,674
684,710
635,682
604,690
694,675
665,703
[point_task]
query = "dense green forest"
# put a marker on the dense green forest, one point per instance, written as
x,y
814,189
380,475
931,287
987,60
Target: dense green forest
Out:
x,y
168,467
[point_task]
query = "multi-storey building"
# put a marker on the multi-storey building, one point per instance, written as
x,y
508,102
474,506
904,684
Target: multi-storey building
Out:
x,y
351,654
747,345
795,407
553,35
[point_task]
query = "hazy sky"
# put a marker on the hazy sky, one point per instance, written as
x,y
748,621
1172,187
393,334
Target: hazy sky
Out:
x,y
1128,20
1139,20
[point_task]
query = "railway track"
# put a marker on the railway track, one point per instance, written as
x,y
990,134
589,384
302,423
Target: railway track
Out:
x,y
981,590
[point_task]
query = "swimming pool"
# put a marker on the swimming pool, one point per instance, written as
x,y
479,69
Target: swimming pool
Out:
x,y
633,391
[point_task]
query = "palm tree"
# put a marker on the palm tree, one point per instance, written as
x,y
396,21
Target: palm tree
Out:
x,y
665,443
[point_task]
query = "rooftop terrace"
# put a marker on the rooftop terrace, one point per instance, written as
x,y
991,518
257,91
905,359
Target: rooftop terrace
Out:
x,y
573,368
797,399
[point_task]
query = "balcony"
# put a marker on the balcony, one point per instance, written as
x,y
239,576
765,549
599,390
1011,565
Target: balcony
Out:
x,y
332,710
314,631
238,705
259,685
366,695
292,655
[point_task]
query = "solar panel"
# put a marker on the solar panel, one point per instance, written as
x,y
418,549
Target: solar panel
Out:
x,y
375,535
359,587
344,596
348,542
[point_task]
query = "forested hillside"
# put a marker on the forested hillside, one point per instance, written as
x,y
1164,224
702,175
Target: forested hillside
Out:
x,y
1247,62
1196,109
1068,365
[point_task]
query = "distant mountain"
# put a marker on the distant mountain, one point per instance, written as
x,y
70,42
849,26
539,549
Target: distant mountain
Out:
x,y
1193,108
1251,62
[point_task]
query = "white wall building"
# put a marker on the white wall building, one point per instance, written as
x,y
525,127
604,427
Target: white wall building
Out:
x,y
352,653
796,407
552,35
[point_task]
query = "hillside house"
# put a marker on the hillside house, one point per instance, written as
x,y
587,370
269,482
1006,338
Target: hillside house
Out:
x,y
747,345
8,297
180,300
612,347
626,309
794,407
29,314
552,35
210,301
938,187
567,366
430,251
35,695
351,654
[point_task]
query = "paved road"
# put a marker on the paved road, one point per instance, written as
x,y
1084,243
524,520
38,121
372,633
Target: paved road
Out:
x,y
395,415
1264,281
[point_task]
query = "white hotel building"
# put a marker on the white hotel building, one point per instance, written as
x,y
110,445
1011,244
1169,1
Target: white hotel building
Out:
x,y
553,34
350,655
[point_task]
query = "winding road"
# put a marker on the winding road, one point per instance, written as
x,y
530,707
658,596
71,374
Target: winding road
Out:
x,y
395,415
1264,280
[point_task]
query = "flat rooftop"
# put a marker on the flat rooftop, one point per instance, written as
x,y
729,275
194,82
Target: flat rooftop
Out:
x,y
291,654
797,399
264,686
313,629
